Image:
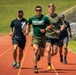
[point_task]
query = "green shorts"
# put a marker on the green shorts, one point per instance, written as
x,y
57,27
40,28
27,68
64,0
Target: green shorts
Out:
x,y
41,40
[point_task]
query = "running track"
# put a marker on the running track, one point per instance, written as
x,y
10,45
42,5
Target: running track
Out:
x,y
27,61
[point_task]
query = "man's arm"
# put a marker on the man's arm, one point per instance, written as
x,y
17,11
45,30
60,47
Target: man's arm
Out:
x,y
27,29
47,28
70,34
11,31
61,29
11,28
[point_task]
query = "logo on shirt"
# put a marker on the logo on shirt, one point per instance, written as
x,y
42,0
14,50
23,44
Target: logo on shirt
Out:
x,y
23,25
38,22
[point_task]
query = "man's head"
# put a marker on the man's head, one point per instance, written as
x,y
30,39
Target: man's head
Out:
x,y
38,10
62,16
51,8
20,13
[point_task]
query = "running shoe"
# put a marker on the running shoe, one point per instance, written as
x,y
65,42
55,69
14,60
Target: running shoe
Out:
x,y
61,58
14,64
18,65
65,61
35,70
48,68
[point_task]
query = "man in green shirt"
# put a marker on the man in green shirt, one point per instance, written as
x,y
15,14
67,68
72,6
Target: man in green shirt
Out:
x,y
40,24
52,40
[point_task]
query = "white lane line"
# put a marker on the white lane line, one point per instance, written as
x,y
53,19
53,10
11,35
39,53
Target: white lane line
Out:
x,y
72,51
23,58
54,69
5,51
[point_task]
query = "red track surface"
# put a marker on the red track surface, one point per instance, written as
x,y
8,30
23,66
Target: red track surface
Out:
x,y
6,60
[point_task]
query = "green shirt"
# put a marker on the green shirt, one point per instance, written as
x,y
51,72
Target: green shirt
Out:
x,y
55,20
39,23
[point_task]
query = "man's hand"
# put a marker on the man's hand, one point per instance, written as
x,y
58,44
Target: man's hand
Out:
x,y
70,35
42,30
27,32
11,33
58,32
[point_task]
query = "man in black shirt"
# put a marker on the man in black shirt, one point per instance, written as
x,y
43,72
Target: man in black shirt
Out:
x,y
63,39
18,37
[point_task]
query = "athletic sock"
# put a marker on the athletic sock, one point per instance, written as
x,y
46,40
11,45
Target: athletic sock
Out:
x,y
64,57
61,55
35,66
61,58
49,64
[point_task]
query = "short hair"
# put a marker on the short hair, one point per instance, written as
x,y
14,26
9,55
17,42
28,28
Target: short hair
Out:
x,y
62,15
20,10
38,7
51,4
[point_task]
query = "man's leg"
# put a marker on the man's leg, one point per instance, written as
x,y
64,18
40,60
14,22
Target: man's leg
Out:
x,y
19,58
61,49
52,51
36,48
65,53
66,39
55,49
55,44
60,53
42,51
48,55
42,45
21,47
15,54
20,54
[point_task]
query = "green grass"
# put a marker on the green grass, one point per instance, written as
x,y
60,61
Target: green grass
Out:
x,y
72,45
8,11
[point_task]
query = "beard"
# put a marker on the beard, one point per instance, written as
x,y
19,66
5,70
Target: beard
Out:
x,y
20,16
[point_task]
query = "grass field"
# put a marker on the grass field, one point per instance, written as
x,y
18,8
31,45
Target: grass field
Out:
x,y
8,10
72,45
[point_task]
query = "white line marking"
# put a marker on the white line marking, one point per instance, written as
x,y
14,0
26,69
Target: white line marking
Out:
x,y
23,58
5,51
69,9
54,69
72,51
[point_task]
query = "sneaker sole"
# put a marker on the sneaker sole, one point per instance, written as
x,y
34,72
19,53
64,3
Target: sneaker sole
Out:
x,y
35,71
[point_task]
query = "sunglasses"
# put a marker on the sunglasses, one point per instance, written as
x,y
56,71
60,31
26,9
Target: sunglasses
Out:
x,y
20,12
38,10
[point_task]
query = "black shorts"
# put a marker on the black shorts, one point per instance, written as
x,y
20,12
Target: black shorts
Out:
x,y
53,41
20,41
63,41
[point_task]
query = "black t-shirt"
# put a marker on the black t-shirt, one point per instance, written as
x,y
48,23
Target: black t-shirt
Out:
x,y
64,33
17,26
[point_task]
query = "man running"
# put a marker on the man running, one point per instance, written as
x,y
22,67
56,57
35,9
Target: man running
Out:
x,y
63,40
18,37
40,24
52,40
